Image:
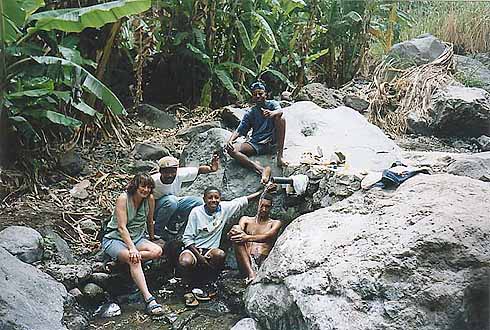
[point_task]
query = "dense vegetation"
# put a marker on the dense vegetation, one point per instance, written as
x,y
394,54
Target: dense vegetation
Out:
x,y
65,66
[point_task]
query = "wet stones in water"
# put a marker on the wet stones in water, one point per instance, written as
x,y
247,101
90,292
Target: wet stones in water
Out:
x,y
23,242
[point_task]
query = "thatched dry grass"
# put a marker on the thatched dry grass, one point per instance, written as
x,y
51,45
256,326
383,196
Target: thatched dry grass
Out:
x,y
413,88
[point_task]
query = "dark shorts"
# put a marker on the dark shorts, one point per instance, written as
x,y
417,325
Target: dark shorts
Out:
x,y
262,149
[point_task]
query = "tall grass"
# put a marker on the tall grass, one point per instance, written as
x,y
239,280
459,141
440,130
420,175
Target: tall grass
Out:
x,y
466,24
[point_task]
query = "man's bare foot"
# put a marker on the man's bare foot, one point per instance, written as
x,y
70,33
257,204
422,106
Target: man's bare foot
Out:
x,y
281,162
249,279
266,175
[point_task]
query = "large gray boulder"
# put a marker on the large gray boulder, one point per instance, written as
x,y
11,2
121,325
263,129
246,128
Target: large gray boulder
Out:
x,y
476,166
29,299
461,111
309,128
23,242
413,258
455,111
320,94
471,72
420,50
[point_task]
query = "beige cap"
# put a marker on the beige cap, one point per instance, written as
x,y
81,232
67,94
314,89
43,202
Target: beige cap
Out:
x,y
168,161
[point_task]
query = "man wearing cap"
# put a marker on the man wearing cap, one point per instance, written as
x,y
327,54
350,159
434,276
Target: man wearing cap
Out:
x,y
169,209
268,130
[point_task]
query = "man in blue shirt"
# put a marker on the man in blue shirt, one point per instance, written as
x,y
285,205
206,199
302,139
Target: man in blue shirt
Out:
x,y
268,131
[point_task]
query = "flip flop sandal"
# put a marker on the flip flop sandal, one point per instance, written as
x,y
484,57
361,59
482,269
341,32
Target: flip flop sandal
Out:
x,y
190,300
200,295
150,309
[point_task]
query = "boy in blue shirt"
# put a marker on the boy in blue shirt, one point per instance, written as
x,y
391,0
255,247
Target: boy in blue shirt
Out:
x,y
268,131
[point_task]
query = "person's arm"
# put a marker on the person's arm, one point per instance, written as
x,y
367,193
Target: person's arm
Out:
x,y
204,169
275,112
150,221
268,188
239,228
241,130
122,221
259,238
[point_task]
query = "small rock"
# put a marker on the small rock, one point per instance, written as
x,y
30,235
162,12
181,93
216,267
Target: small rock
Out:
x,y
151,151
23,242
69,275
71,163
156,117
78,322
76,293
93,292
63,252
100,279
286,96
108,310
232,116
484,142
142,166
246,324
89,226
80,189
355,102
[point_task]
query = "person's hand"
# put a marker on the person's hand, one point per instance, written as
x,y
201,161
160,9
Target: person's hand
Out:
x,y
236,229
215,162
270,187
229,146
267,113
266,174
134,255
239,238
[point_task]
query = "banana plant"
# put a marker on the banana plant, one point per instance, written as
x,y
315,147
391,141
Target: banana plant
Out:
x,y
32,105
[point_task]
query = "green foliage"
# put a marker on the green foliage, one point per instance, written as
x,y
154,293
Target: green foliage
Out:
x,y
44,83
78,19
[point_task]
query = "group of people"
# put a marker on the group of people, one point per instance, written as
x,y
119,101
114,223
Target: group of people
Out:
x,y
151,206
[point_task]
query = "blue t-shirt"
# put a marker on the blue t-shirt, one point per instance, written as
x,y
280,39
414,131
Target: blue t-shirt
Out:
x,y
262,128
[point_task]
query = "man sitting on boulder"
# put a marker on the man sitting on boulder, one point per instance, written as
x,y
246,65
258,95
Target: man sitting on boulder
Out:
x,y
268,131
254,237
202,255
170,209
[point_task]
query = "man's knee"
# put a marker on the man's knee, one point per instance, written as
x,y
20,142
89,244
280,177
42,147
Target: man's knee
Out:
x,y
156,252
186,260
217,255
167,207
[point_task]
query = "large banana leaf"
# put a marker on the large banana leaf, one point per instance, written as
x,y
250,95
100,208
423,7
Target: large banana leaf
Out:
x,y
78,19
54,117
226,81
242,30
90,83
266,59
266,29
14,14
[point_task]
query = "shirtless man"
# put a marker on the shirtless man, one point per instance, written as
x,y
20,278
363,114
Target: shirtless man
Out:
x,y
254,237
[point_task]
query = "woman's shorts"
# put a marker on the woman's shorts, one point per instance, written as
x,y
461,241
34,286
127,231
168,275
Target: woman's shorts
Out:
x,y
113,247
